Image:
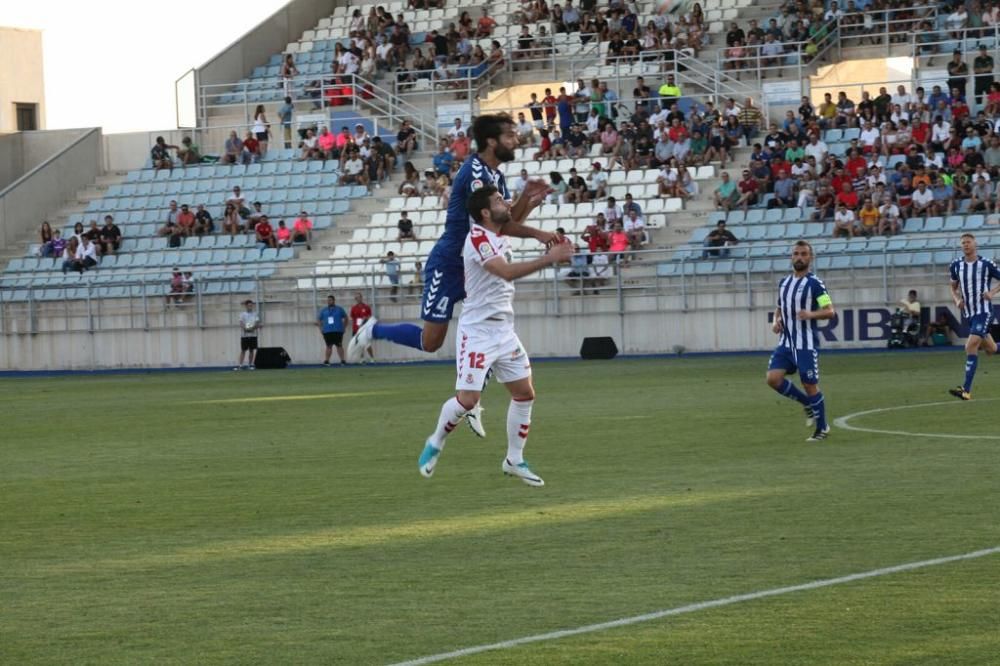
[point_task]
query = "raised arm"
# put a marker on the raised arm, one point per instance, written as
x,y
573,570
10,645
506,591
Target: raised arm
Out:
x,y
498,265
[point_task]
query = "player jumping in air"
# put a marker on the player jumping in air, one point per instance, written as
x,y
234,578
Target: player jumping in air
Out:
x,y
971,277
496,140
486,338
802,301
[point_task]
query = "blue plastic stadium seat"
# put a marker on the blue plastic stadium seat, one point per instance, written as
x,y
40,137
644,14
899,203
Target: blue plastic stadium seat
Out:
x,y
852,133
944,257
668,269
795,230
973,222
735,217
756,232
934,224
774,215
861,261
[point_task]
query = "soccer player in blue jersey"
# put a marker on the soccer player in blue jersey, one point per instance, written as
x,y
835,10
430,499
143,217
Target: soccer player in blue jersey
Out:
x,y
971,279
802,301
444,280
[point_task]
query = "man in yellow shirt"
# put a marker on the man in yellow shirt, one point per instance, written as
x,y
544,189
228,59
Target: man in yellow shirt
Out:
x,y
869,218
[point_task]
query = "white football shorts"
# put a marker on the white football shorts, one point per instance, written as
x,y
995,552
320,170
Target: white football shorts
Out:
x,y
479,347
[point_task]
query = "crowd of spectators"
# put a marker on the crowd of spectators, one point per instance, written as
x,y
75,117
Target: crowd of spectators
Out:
x,y
908,155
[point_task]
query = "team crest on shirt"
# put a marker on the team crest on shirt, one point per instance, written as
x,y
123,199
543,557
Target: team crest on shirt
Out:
x,y
485,250
469,379
476,184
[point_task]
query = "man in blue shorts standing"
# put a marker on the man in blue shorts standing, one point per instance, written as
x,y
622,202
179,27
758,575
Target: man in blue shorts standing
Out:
x,y
971,278
444,280
802,301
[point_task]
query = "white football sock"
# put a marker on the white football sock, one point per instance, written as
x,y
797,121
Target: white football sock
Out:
x,y
518,424
451,415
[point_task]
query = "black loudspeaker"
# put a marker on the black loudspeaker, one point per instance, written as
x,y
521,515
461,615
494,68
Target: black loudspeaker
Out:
x,y
598,348
272,358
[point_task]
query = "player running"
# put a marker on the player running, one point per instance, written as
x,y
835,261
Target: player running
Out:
x,y
802,301
971,277
496,140
486,338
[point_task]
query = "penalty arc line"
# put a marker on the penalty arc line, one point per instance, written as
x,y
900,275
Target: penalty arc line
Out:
x,y
843,422
703,605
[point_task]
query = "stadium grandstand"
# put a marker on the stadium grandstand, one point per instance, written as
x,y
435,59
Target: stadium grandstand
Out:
x,y
659,126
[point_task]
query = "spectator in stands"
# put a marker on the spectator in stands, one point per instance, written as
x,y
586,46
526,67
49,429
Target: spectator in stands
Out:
x,y
233,151
71,252
188,152
185,221
310,146
261,130
749,191
406,139
172,232
597,182
87,254
255,216
485,25
525,131
354,172
784,192
45,237
160,154
613,212
288,73
283,235
176,294
596,234
923,201
285,112
110,237
264,233
750,120
405,228
718,241
251,149
576,188
726,194
392,267
888,219
410,187
982,67
302,230
443,160
844,222
326,145
982,196
203,222
460,148
232,224
634,227
669,92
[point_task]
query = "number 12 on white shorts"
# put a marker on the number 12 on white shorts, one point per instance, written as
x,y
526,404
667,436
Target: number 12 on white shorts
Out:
x,y
480,347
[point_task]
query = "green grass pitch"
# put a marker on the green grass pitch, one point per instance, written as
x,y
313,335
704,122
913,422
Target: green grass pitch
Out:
x,y
180,519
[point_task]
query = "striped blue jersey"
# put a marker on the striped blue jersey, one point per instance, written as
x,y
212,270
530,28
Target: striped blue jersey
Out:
x,y
473,175
800,293
974,279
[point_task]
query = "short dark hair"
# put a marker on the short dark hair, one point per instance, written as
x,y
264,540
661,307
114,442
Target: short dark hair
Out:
x,y
803,243
478,201
489,126
330,296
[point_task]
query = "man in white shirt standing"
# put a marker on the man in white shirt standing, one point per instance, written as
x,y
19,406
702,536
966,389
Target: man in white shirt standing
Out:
x,y
486,338
816,148
456,129
249,325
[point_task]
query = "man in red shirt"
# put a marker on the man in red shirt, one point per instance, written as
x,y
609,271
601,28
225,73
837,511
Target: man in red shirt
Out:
x,y
185,220
486,25
855,162
749,189
848,197
302,230
549,103
265,233
596,235
360,313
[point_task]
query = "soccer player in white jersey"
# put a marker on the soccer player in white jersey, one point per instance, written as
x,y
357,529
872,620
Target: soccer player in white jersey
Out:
x,y
486,338
971,279
802,301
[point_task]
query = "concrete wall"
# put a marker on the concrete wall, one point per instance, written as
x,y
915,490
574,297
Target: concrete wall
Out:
x,y
21,75
650,324
60,163
271,36
11,159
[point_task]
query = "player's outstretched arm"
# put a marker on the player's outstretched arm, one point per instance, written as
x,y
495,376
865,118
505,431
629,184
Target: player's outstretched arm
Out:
x,y
559,253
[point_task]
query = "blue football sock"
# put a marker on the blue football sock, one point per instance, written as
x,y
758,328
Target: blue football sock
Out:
x,y
971,361
408,335
790,390
819,410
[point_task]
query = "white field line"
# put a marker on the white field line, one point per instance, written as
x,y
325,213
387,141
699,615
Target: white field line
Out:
x,y
703,605
843,422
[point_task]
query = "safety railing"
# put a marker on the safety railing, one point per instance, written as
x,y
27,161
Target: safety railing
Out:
x,y
623,284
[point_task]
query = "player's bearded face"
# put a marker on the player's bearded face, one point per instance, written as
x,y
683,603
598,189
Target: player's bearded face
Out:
x,y
801,259
506,144
499,213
